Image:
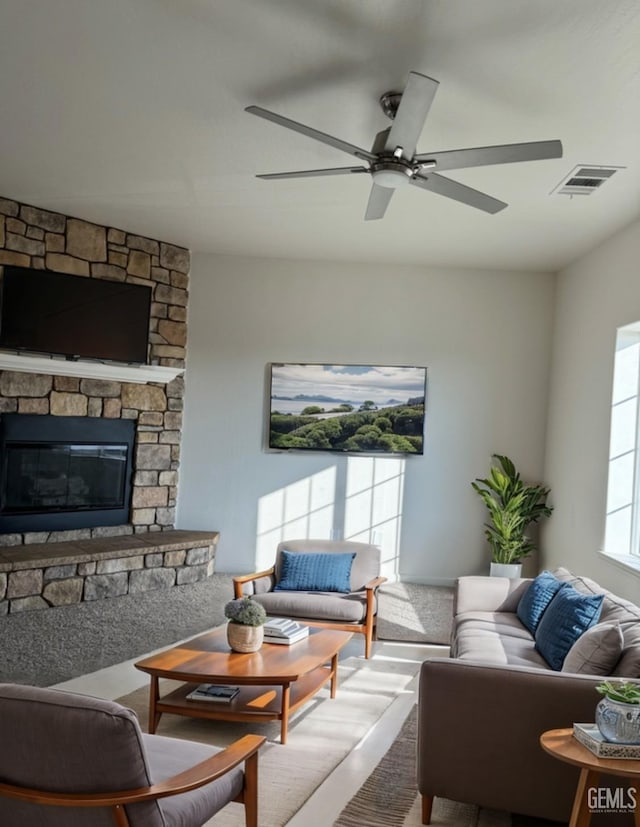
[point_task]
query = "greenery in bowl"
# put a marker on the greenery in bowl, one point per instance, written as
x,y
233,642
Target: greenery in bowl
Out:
x,y
624,692
245,611
512,506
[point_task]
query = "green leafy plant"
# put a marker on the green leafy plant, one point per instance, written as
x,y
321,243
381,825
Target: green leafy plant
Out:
x,y
245,611
623,692
512,506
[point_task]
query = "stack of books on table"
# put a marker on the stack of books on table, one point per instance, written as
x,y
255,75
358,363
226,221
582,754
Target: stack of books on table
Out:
x,y
213,692
590,737
282,630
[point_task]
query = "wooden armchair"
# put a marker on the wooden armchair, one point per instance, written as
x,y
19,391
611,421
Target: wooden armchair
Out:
x,y
69,760
355,611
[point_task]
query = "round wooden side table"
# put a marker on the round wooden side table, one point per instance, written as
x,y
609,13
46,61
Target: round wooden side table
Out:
x,y
561,744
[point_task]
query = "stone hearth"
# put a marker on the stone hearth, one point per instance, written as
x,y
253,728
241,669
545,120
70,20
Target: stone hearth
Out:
x,y
44,576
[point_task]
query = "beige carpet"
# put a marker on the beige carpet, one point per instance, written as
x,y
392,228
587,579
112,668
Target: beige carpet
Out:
x,y
320,735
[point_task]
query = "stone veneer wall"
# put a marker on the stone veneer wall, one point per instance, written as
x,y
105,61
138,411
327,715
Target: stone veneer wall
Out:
x,y
37,238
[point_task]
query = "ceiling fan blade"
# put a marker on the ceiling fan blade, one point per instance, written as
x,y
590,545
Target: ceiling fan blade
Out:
x,y
412,112
487,155
379,198
311,173
363,154
459,192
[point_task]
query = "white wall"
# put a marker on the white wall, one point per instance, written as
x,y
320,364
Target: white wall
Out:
x,y
595,295
485,339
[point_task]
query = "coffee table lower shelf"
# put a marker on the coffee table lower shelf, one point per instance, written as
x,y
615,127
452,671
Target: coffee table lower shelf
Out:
x,y
274,702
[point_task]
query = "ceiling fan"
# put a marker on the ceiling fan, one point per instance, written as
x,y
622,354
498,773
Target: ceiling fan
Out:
x,y
393,161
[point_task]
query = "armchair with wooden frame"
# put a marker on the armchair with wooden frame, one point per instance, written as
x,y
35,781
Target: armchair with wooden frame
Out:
x,y
355,611
69,760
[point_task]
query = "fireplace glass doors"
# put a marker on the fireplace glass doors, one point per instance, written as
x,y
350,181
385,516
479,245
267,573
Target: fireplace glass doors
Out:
x,y
64,472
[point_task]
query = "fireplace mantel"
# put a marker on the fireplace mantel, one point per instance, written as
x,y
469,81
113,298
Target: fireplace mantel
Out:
x,y
57,366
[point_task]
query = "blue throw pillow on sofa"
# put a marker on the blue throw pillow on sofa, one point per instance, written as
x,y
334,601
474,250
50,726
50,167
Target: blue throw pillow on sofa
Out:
x,y
537,597
567,616
315,572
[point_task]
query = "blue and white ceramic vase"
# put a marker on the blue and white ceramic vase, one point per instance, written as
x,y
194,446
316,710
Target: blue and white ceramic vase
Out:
x,y
618,722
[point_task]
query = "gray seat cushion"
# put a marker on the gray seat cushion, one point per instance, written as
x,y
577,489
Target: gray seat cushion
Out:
x,y
168,757
504,623
331,606
491,647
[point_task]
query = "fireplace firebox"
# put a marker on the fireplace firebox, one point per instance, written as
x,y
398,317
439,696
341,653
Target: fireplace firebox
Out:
x,y
64,472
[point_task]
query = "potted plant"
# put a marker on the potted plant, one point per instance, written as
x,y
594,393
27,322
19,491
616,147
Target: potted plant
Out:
x,y
618,713
245,630
513,506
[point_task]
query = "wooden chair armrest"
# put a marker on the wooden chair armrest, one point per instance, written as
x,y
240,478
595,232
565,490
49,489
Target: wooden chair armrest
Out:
x,y
373,584
196,776
240,579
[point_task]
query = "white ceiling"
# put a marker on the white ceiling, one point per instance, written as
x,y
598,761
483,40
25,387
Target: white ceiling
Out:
x,y
130,113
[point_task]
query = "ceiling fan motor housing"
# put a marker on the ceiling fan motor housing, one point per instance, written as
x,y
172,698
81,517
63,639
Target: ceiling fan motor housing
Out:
x,y
390,102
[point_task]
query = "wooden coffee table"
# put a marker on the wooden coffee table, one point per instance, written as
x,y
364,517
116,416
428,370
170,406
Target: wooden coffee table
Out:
x,y
274,681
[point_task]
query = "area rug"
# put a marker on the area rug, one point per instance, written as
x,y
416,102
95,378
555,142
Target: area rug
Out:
x,y
389,797
321,735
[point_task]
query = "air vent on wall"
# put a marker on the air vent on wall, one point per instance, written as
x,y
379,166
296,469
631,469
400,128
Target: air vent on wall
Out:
x,y
583,180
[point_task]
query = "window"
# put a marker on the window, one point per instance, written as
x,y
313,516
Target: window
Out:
x,y
622,537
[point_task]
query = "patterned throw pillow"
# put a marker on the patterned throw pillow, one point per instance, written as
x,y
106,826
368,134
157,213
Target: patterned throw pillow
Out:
x,y
567,617
537,597
315,572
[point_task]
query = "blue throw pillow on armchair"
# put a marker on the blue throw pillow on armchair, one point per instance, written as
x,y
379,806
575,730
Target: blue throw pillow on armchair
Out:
x,y
315,572
567,616
537,597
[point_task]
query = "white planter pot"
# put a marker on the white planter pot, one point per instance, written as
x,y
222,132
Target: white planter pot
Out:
x,y
511,570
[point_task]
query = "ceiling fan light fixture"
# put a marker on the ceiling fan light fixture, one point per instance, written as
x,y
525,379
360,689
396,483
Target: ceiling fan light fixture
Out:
x,y
391,174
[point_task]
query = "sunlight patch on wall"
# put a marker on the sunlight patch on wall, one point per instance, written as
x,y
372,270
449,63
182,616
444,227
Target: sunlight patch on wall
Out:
x,y
373,505
366,507
303,509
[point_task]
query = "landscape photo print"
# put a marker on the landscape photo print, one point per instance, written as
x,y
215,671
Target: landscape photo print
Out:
x,y
367,409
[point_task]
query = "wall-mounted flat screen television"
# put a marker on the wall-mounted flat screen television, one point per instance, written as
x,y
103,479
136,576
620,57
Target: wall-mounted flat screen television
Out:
x,y
56,313
359,409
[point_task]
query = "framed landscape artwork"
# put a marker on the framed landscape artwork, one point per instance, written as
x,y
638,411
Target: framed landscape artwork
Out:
x,y
359,409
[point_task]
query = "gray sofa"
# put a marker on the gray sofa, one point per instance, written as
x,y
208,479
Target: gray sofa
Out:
x,y
482,711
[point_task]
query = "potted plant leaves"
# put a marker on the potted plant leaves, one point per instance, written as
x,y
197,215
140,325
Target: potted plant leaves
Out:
x,y
245,631
513,506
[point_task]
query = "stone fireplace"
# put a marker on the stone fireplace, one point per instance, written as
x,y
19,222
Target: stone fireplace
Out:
x,y
44,566
36,238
